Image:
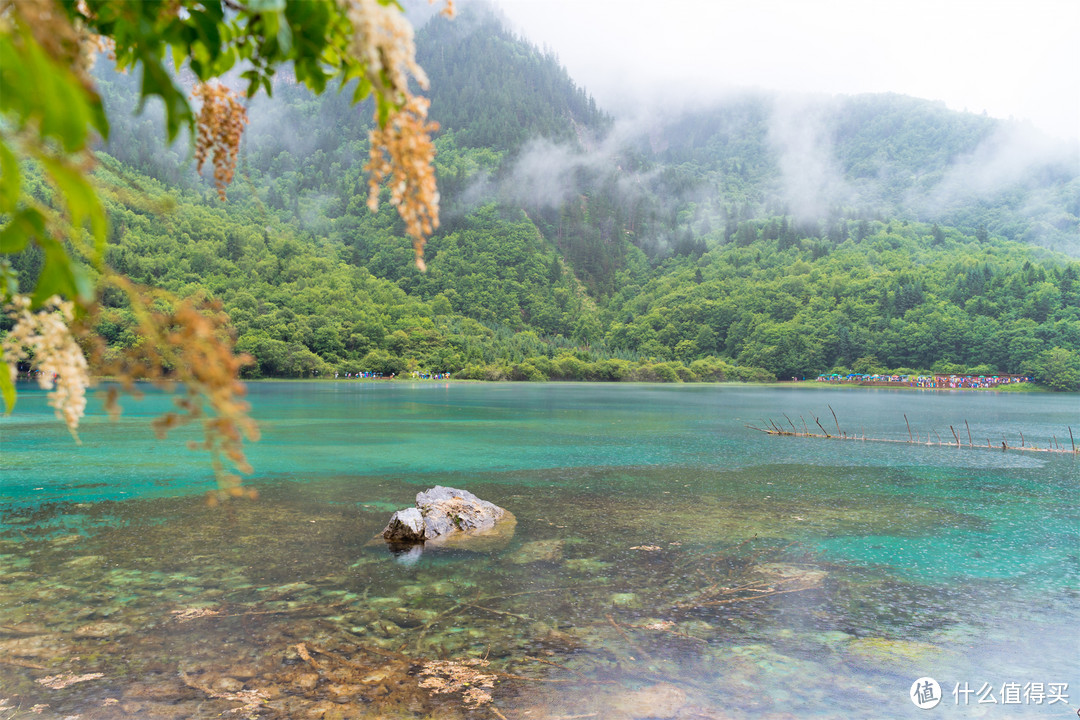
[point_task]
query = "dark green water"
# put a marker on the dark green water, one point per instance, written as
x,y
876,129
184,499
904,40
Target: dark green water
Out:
x,y
641,512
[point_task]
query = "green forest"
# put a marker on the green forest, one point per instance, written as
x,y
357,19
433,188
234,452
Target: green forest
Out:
x,y
571,251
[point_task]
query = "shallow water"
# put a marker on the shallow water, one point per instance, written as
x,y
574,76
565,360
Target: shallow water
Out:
x,y
642,510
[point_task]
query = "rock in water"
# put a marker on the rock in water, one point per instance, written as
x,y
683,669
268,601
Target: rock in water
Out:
x,y
405,526
442,513
447,510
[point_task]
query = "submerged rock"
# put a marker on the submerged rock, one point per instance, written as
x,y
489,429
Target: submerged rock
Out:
x,y
625,600
448,515
790,576
406,553
879,651
538,551
101,630
34,646
662,700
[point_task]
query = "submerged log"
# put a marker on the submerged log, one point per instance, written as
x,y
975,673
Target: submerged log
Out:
x,y
771,428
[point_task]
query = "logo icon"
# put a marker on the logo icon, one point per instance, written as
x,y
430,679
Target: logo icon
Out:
x,y
925,693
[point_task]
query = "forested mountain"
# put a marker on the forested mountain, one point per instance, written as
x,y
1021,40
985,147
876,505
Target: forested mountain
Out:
x,y
493,90
765,236
820,158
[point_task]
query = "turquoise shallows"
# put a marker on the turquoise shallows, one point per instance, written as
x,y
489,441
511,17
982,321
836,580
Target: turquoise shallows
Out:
x,y
959,564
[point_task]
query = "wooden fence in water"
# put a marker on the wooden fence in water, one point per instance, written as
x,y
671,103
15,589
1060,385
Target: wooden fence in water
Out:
x,y
914,438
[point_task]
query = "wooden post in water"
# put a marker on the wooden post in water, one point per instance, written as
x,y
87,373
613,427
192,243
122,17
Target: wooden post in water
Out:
x,y
773,428
834,419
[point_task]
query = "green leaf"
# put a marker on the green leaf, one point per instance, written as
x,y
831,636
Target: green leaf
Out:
x,y
363,89
82,201
10,179
40,90
208,32
9,280
285,38
24,225
7,388
156,81
57,277
261,6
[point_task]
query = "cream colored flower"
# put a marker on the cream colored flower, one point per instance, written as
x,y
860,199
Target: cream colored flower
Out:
x,y
401,153
45,338
383,41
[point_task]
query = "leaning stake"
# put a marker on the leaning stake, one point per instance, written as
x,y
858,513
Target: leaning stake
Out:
x,y
910,439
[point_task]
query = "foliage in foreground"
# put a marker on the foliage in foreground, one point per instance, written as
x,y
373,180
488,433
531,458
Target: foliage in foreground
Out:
x,y
54,221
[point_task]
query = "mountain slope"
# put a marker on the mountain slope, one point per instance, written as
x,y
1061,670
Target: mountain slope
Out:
x,y
776,233
494,90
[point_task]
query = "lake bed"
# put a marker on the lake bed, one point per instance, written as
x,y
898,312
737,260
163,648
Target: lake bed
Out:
x,y
668,561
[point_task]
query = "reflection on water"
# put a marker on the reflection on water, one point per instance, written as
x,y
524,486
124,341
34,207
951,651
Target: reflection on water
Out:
x,y
667,562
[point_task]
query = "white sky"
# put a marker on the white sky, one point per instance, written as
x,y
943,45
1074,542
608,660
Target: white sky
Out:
x,y
1017,59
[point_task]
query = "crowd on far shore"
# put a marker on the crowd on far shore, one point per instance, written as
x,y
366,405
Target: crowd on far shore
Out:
x,y
950,381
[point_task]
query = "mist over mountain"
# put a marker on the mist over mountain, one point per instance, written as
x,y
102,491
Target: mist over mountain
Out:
x,y
761,234
541,139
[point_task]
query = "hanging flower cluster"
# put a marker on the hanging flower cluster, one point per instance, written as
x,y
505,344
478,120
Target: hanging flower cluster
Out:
x,y
189,342
402,152
219,127
44,337
383,41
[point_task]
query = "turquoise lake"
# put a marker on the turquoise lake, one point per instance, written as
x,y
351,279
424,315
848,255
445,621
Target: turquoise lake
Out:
x,y
668,561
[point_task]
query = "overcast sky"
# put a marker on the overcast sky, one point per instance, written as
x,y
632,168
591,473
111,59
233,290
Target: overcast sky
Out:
x,y
1017,59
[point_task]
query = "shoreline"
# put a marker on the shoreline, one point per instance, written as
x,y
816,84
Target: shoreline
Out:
x,y
1032,387
802,384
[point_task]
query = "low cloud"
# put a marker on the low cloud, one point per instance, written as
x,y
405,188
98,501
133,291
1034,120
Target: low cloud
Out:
x,y
800,135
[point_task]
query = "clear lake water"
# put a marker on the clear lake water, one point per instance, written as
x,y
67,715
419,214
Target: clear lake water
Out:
x,y
668,561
